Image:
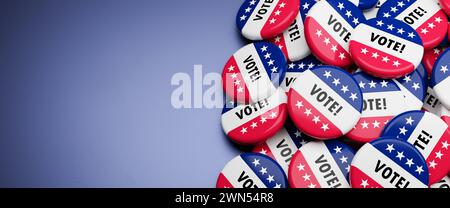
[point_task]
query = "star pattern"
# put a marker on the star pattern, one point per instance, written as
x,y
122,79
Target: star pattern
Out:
x,y
264,173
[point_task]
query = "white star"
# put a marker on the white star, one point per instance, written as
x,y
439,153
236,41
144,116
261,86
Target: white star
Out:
x,y
324,127
253,2
326,41
270,63
312,185
338,149
301,66
263,120
334,48
277,185
327,74
303,142
419,169
353,97
342,56
267,56
409,120
386,14
438,19
291,66
316,119
348,13
336,82
403,130
394,9
319,33
306,177
340,6
400,4
376,124
301,167
390,27
380,23
409,162
364,51
445,144
237,82
297,134
264,49
273,115
439,155
282,5
299,104
386,59
396,63
243,130
424,31
263,170
306,5
256,162
372,84
401,31
364,183
240,90
416,86
254,125
431,25
355,21
263,151
310,65
308,112
343,159
407,79
436,51
270,178
433,164
390,148
411,35
347,168
384,83
375,55
444,69
365,125
362,84
344,88
274,69
277,13
231,68
243,17
400,155
248,10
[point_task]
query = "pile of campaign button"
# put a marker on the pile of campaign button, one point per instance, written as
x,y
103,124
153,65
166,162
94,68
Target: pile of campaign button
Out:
x,y
339,94
252,170
386,48
321,164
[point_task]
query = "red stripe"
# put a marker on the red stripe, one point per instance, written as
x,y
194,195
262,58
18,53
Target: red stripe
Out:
x,y
283,20
430,57
295,176
442,166
222,182
435,35
281,44
361,134
229,86
357,177
265,147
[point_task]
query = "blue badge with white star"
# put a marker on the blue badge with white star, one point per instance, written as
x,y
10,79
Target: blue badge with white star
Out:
x,y
414,88
440,78
296,68
364,4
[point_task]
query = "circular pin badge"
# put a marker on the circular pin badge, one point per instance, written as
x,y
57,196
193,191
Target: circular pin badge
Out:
x,y
372,13
252,170
429,134
328,28
264,19
383,99
296,68
432,103
292,41
425,16
414,88
388,163
445,4
283,145
254,72
325,102
386,48
440,78
443,183
430,57
364,4
254,123
321,164
423,72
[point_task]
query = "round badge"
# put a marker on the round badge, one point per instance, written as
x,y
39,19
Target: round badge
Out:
x,y
443,183
372,13
429,134
432,103
414,88
252,170
283,145
321,164
364,4
296,68
325,102
425,16
386,48
328,28
292,41
254,123
254,72
388,163
430,57
440,78
423,72
445,4
264,19
383,99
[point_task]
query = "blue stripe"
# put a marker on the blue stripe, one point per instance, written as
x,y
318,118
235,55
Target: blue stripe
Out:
x,y
241,12
292,129
397,126
273,169
437,76
279,61
415,76
346,151
365,78
355,11
396,24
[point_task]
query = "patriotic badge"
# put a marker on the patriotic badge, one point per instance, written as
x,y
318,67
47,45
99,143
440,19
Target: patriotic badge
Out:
x,y
431,103
292,41
264,19
414,88
388,163
252,170
386,48
283,145
440,78
443,183
445,4
325,102
254,123
296,68
321,164
425,16
429,134
328,28
254,72
430,57
423,72
382,100
372,13
364,4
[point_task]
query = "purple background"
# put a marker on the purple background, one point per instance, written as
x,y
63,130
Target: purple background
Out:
x,y
85,88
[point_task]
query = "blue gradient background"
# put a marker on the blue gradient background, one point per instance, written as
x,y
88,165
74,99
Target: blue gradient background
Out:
x,y
85,92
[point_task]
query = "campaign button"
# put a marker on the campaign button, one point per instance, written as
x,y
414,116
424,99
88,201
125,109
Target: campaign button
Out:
x,y
296,68
445,4
283,145
425,16
432,103
254,123
386,48
372,13
430,57
440,78
328,28
292,41
443,183
414,88
254,72
325,102
321,164
388,163
264,19
429,134
382,100
364,4
423,72
252,170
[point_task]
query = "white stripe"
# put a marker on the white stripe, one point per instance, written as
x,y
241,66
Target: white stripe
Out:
x,y
289,76
411,101
442,92
372,13
435,129
321,13
252,29
234,170
312,152
436,109
371,156
411,52
355,2
430,7
261,88
395,104
345,120
274,141
230,120
297,49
